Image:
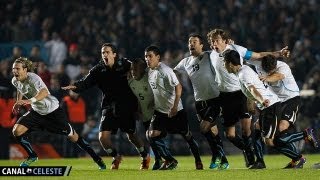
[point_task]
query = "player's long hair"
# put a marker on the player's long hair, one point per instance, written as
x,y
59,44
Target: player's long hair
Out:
x,y
113,48
216,32
26,63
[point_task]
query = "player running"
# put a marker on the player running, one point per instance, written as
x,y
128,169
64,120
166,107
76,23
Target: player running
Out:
x,y
44,115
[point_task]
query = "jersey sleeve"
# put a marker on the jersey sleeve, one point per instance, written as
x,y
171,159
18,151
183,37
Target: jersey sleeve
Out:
x,y
88,81
244,52
172,78
284,69
180,66
245,78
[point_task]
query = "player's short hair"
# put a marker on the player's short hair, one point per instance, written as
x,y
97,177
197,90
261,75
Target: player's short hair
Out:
x,y
268,63
215,32
232,56
139,62
196,36
26,63
154,49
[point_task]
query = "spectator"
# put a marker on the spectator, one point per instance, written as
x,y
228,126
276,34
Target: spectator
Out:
x,y
72,63
57,51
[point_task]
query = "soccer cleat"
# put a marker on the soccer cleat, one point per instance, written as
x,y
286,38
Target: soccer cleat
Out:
x,y
101,164
248,157
215,164
116,161
199,165
258,165
172,165
224,166
310,136
28,161
145,163
290,165
157,164
164,165
300,162
169,165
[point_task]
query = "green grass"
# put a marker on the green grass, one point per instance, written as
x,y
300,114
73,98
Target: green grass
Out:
x,y
84,168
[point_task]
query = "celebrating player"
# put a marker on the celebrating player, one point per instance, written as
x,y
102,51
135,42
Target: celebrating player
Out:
x,y
45,113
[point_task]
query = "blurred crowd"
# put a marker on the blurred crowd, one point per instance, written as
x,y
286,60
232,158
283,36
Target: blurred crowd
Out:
x,y
72,32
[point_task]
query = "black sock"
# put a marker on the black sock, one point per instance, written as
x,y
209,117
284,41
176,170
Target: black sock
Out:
x,y
156,154
113,153
143,152
249,150
26,146
287,137
238,142
194,147
289,150
159,145
258,145
220,149
212,144
84,145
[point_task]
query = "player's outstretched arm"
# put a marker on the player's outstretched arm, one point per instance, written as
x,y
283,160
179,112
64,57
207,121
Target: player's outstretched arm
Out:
x,y
70,87
284,52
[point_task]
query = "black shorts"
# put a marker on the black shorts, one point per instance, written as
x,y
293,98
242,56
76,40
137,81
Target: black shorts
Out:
x,y
112,121
54,122
234,107
269,120
208,110
289,109
175,125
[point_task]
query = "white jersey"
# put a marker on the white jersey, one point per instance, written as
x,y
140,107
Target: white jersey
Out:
x,y
143,92
202,76
227,82
248,77
286,88
30,87
163,80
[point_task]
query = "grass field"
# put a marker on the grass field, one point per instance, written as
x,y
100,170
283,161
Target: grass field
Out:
x,y
84,168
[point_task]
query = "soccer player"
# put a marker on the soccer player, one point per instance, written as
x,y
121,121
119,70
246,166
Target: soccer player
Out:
x,y
139,85
277,75
45,113
206,93
118,103
169,115
269,104
233,101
